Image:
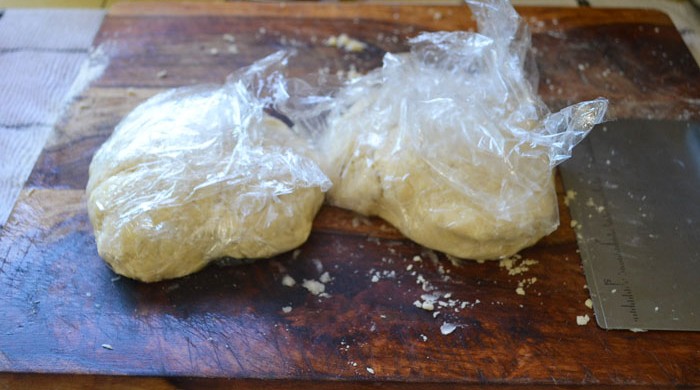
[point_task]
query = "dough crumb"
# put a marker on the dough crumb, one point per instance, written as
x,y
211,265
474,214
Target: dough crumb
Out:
x,y
428,302
287,309
589,303
325,277
591,203
162,74
582,320
229,38
447,328
343,41
384,274
423,337
315,287
288,281
515,265
570,195
107,346
370,370
525,283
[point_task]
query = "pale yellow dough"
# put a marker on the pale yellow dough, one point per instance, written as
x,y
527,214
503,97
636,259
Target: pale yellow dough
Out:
x,y
450,143
443,192
176,187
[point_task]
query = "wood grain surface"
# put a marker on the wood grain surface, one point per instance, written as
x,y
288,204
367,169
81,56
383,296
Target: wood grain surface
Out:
x,y
65,312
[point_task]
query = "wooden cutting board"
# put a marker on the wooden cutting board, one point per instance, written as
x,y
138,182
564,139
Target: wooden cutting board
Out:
x,y
64,312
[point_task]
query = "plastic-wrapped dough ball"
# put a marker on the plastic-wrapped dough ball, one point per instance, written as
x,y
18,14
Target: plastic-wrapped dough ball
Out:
x,y
457,197
197,174
450,143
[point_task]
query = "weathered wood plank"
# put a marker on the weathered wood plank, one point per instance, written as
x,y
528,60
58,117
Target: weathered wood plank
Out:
x,y
228,321
88,382
87,124
645,69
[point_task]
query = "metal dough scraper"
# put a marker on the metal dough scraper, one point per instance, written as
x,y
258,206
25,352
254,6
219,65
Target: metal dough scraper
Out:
x,y
637,206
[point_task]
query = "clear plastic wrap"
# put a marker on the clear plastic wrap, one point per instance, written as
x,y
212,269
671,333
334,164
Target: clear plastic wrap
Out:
x,y
450,142
200,173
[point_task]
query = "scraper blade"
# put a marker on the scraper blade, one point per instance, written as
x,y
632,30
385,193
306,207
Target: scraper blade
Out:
x,y
637,211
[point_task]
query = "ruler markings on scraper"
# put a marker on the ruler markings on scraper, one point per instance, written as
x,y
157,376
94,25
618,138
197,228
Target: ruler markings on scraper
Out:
x,y
601,242
620,279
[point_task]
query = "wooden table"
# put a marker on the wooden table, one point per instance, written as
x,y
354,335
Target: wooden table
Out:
x,y
67,320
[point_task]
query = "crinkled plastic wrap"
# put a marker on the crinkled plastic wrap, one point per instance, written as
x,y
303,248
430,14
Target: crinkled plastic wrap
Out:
x,y
451,144
200,173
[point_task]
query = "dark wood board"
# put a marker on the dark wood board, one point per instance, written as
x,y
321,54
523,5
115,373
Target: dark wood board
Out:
x,y
225,325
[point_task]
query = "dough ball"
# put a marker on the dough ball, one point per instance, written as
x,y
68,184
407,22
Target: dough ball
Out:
x,y
197,174
443,166
450,143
